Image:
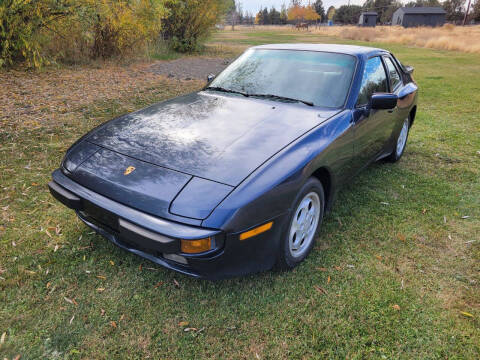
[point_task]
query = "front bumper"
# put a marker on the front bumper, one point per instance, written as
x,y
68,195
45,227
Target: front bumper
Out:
x,y
156,238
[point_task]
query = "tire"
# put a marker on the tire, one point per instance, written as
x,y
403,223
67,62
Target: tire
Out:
x,y
303,225
401,142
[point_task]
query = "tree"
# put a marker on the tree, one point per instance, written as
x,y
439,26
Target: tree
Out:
x,y
318,5
274,16
310,13
331,12
454,9
297,12
283,15
384,9
422,3
476,11
232,12
348,14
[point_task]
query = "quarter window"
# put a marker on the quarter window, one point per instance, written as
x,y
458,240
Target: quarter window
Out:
x,y
374,80
394,76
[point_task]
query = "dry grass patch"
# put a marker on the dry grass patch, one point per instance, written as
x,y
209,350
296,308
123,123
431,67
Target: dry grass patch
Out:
x,y
447,37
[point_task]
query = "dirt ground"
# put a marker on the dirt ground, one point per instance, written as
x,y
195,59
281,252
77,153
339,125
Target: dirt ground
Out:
x,y
189,68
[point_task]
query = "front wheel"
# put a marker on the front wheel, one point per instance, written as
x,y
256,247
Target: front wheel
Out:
x,y
305,219
401,142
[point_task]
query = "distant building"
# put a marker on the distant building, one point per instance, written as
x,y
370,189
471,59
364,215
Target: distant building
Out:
x,y
419,16
368,18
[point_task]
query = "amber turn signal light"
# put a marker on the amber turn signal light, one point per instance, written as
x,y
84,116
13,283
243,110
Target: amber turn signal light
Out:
x,y
195,246
255,231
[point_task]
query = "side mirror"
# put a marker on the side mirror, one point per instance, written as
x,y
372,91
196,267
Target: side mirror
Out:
x,y
210,77
383,101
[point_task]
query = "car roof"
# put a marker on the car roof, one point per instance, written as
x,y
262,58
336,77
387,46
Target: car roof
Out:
x,y
336,48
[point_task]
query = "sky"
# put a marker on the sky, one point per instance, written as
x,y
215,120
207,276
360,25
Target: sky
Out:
x,y
254,5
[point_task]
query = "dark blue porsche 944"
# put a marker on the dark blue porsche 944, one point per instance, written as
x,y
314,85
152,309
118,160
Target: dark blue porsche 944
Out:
x,y
237,177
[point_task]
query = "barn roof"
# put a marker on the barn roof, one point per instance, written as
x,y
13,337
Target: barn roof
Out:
x,y
423,10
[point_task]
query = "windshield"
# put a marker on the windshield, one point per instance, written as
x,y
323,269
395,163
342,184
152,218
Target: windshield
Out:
x,y
320,78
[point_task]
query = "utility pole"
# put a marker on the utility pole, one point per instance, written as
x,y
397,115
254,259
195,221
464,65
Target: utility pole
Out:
x,y
466,13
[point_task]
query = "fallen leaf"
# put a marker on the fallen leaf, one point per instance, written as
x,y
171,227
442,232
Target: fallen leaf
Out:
x,y
321,269
396,307
384,203
467,314
401,237
101,277
183,323
337,268
55,249
14,243
328,280
100,289
189,329
68,300
102,312
140,267
378,257
2,339
112,263
113,324
424,211
176,283
160,283
321,290
17,357
71,320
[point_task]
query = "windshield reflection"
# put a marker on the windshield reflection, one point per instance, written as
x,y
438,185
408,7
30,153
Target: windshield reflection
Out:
x,y
313,77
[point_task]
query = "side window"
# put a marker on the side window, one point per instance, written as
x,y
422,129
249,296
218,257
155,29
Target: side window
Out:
x,y
374,80
394,75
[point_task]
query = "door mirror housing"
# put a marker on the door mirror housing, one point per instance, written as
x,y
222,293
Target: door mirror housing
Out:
x,y
383,101
210,77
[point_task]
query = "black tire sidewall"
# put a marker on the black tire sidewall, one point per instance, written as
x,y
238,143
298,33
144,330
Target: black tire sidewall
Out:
x,y
285,259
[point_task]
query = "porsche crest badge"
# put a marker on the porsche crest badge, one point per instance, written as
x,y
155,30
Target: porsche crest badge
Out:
x,y
129,170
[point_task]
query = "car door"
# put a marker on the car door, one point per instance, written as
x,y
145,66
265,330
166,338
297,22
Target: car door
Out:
x,y
372,128
400,113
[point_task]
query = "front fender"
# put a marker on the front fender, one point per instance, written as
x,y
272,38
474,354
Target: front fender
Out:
x,y
270,190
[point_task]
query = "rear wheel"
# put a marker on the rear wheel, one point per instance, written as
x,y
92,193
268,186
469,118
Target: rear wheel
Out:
x,y
304,222
401,142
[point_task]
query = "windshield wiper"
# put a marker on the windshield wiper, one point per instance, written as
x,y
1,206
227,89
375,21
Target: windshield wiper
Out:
x,y
218,88
271,96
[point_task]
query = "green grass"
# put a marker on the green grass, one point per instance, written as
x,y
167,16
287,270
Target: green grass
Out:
x,y
400,274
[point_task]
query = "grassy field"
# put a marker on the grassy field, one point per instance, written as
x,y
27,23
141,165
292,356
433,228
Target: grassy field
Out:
x,y
398,257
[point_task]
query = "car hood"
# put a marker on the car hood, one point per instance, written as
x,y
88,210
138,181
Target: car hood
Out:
x,y
209,135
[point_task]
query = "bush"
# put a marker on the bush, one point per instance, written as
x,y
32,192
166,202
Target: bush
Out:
x,y
72,31
189,21
20,25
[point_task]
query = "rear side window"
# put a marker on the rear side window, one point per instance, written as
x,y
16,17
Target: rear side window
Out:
x,y
374,80
394,76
